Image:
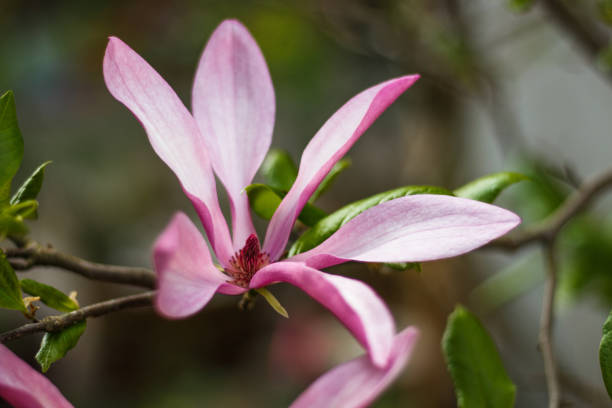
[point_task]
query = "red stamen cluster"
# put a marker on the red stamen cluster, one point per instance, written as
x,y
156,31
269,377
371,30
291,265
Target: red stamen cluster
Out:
x,y
247,261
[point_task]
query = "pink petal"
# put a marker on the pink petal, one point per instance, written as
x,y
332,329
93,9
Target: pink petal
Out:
x,y
172,132
328,146
186,276
413,229
23,387
358,382
233,104
354,303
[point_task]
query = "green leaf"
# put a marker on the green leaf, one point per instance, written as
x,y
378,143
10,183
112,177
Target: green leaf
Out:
x,y
605,354
324,228
487,188
11,145
520,6
11,225
474,364
31,187
279,170
264,200
55,345
49,295
11,218
405,266
329,179
273,301
605,11
10,292
24,209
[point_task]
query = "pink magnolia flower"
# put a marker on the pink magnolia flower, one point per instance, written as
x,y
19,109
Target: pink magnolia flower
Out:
x,y
230,132
350,385
23,387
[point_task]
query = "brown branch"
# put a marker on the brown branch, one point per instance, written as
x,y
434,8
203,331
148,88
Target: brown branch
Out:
x,y
546,323
591,40
551,226
56,323
37,255
586,35
546,234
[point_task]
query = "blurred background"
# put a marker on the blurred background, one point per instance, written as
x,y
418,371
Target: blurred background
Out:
x,y
504,87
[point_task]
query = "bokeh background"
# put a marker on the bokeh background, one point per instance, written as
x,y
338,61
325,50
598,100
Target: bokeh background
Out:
x,y
502,88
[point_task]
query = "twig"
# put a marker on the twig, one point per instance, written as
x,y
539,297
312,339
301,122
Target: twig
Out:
x,y
546,234
36,255
551,226
587,36
56,323
546,322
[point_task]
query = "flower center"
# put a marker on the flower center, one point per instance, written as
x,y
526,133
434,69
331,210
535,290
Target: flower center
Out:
x,y
247,261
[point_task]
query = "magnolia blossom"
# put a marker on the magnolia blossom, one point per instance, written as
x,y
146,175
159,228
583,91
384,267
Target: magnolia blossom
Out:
x,y
351,385
23,387
229,133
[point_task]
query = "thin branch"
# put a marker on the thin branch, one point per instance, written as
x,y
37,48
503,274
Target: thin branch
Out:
x,y
591,40
37,255
56,323
545,335
585,35
551,226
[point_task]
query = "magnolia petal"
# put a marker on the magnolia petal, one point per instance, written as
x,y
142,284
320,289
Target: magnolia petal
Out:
x,y
172,132
354,303
186,276
416,228
234,104
328,146
23,387
358,382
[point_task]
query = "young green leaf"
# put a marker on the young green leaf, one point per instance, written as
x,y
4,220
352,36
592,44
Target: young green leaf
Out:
x,y
11,225
55,345
487,188
605,354
520,6
405,266
49,295
10,292
31,187
279,170
24,209
11,145
264,200
325,227
273,301
338,168
475,366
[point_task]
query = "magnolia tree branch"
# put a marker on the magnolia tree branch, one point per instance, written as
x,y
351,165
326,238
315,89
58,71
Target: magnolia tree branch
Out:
x,y
586,34
56,323
35,254
546,323
551,226
546,234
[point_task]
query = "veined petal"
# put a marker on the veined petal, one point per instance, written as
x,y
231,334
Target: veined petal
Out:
x,y
354,303
186,275
416,228
172,132
234,104
328,146
358,382
23,387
